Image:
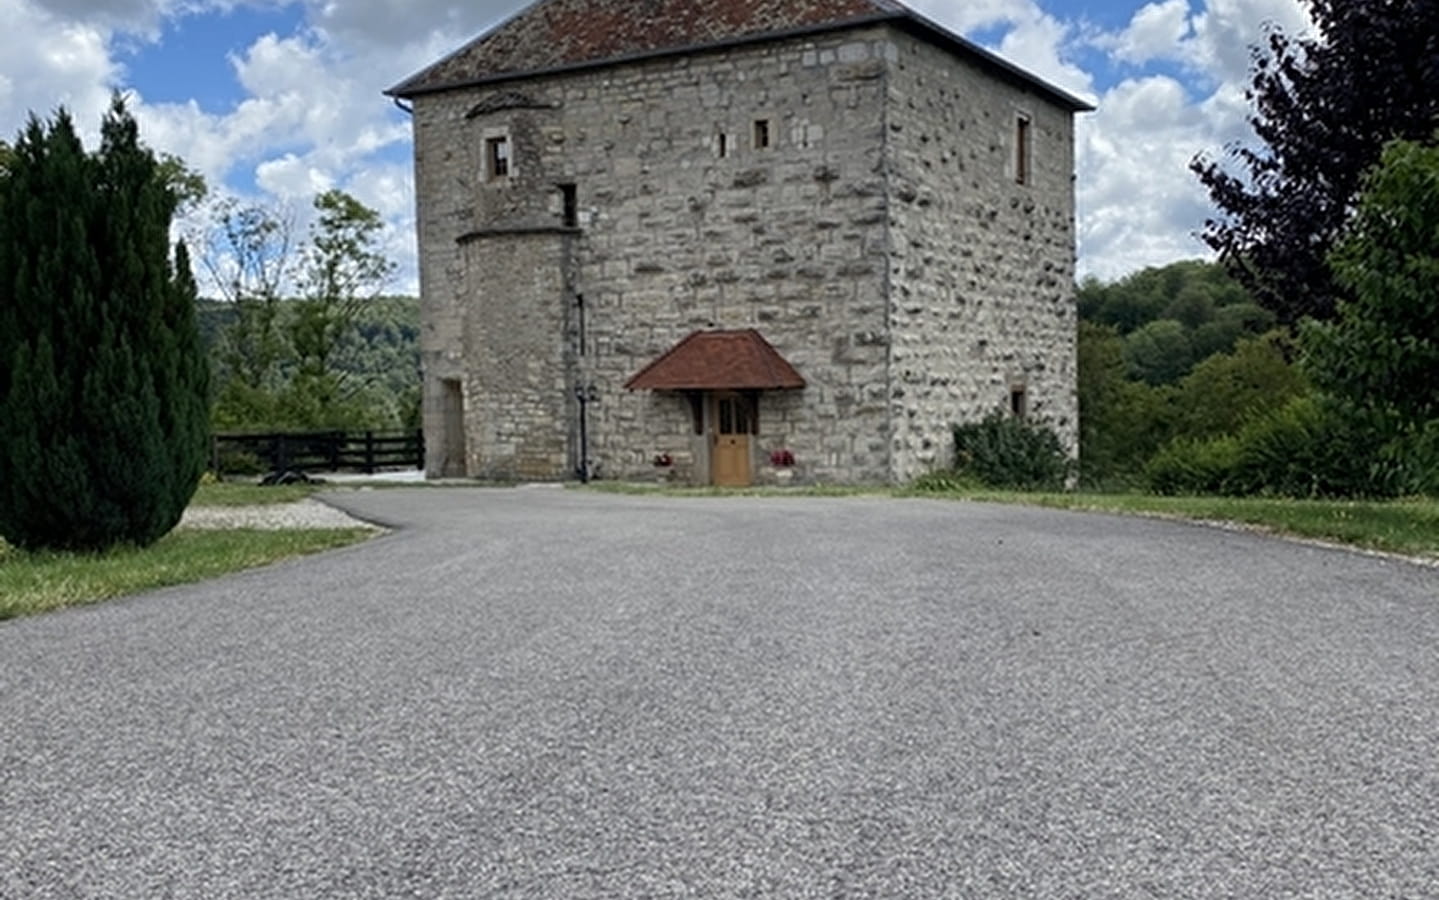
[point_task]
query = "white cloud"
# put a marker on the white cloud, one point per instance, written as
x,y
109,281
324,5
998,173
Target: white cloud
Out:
x,y
402,23
1157,31
47,62
1213,41
1138,203
135,16
1226,30
1037,45
291,176
962,16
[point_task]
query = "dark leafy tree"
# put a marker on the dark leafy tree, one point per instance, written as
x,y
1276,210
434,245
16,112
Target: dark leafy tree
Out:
x,y
1227,390
380,354
103,383
1121,421
1324,106
188,185
1381,352
1159,353
1193,292
1229,325
343,269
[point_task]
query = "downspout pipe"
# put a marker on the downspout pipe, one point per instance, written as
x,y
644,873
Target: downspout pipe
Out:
x,y
585,394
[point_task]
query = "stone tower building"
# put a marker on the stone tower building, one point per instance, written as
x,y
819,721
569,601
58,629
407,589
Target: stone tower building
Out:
x,y
733,241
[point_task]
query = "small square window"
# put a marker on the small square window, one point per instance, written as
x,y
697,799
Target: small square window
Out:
x,y
497,157
1018,402
761,134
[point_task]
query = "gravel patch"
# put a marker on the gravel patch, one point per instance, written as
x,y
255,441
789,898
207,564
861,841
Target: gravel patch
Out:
x,y
277,517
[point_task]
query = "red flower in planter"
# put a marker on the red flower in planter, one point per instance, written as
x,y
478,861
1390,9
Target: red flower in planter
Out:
x,y
664,460
781,458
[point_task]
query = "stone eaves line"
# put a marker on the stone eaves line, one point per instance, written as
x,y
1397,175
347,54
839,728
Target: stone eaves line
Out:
x,y
914,22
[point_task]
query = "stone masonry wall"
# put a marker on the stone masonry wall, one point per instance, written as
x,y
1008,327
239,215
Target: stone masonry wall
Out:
x,y
982,267
442,184
788,239
879,242
495,275
520,402
675,233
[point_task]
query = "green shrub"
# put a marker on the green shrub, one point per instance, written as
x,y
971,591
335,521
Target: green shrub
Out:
x,y
1315,446
1311,447
1007,452
1418,453
1194,466
1284,453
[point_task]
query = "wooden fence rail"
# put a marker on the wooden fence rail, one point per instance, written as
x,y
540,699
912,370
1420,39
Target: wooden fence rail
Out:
x,y
318,451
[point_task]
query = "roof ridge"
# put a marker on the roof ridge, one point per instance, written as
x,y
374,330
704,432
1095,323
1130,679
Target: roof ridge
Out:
x,y
550,36
557,34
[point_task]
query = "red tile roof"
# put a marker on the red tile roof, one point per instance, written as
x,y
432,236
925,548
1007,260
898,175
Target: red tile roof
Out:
x,y
552,35
718,361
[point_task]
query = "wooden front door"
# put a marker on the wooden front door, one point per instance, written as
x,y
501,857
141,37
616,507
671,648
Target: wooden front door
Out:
x,y
733,421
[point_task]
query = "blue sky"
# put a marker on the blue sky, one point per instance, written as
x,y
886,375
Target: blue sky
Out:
x,y
274,100
189,58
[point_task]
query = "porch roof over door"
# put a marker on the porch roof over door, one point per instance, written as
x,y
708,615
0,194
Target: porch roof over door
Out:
x,y
718,361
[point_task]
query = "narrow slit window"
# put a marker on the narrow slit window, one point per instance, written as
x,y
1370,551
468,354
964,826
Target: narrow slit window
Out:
x,y
1021,150
1018,402
570,201
761,134
723,145
497,157
697,411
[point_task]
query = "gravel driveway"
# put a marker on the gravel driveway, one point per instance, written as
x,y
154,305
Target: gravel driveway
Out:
x,y
543,693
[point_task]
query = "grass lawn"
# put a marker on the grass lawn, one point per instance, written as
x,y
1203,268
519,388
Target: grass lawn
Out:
x,y
1408,527
37,582
234,493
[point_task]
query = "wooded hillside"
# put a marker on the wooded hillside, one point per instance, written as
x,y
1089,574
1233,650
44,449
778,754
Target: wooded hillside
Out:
x,y
378,361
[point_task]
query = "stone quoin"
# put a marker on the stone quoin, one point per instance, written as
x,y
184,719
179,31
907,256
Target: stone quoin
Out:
x,y
715,191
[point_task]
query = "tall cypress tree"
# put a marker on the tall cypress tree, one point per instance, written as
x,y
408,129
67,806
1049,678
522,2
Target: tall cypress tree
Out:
x,y
103,384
